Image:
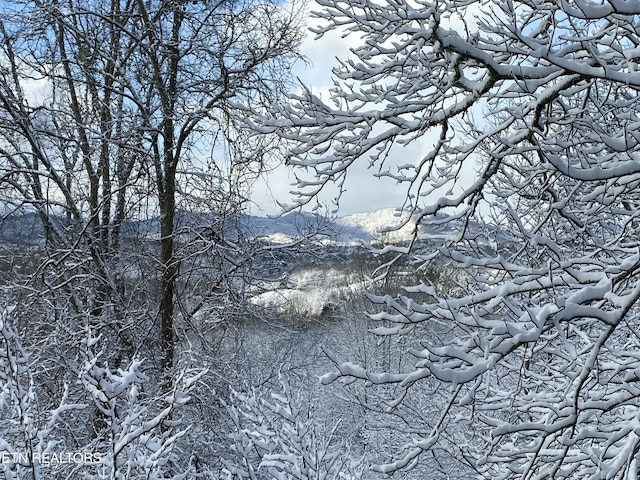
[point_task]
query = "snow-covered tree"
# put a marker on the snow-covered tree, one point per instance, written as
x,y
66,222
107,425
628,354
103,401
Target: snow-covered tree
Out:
x,y
283,437
525,118
121,148
134,439
27,431
139,432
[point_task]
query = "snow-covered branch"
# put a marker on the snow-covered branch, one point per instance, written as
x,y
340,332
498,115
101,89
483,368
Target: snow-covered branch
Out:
x,y
528,114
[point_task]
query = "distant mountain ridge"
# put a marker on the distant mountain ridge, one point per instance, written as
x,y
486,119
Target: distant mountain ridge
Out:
x,y
27,229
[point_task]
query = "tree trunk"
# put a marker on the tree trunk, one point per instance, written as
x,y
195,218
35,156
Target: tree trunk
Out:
x,y
169,271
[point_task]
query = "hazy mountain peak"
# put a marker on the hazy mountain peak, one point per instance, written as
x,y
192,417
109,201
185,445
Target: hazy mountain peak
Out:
x,y
387,222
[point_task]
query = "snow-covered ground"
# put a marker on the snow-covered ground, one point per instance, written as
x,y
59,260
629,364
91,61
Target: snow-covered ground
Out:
x,y
310,291
386,223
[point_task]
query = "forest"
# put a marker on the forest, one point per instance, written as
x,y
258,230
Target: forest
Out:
x,y
486,326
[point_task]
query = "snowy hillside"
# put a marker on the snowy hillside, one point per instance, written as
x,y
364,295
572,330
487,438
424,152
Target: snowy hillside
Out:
x,y
380,224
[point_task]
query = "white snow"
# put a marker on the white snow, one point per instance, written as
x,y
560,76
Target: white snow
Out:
x,y
382,223
308,292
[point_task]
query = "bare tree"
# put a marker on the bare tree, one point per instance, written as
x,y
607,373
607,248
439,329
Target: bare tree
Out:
x,y
237,51
119,133
137,101
528,111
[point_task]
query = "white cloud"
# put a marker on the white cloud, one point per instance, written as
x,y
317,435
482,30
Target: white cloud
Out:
x,y
364,192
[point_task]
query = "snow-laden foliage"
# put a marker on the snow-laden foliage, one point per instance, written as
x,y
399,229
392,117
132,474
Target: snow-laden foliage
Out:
x,y
137,432
526,116
27,433
132,434
282,437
